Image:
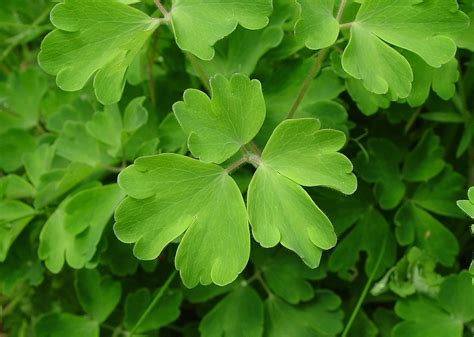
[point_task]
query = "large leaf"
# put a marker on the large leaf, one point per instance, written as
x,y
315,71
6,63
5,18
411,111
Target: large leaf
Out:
x,y
171,195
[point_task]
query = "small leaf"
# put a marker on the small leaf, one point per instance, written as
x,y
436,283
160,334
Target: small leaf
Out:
x,y
218,127
63,324
13,145
467,206
165,311
199,24
97,38
135,115
240,313
97,295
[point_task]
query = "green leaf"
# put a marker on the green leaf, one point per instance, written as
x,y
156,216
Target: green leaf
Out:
x,y
66,236
175,195
106,127
442,79
240,313
217,128
14,216
368,102
165,311
97,295
382,168
118,256
172,137
414,225
426,160
288,277
378,239
420,27
135,114
20,98
319,318
439,194
199,24
94,38
38,162
63,324
426,317
467,206
317,27
332,115
300,150
13,145
15,187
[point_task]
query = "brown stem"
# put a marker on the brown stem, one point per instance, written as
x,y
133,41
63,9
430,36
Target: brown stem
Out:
x,y
162,9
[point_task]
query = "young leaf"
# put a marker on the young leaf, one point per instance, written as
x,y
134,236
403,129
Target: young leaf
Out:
x,y
217,128
418,226
165,311
135,115
66,236
317,27
106,127
468,205
63,324
382,168
13,145
199,24
38,162
14,216
321,317
15,187
426,160
98,296
170,195
298,152
421,27
424,316
239,314
97,38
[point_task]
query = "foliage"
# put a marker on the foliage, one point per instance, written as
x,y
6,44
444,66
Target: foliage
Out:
x,y
236,168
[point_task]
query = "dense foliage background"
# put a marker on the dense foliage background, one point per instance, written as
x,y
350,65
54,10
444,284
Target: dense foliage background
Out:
x,y
381,72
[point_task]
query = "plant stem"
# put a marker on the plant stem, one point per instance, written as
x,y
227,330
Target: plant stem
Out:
x,y
199,70
341,10
412,120
162,9
150,307
315,68
235,165
365,290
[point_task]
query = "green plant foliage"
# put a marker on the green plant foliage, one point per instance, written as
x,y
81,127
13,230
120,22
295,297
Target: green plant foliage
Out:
x,y
232,168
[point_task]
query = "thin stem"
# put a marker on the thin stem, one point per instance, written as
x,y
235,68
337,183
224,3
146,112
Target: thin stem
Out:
x,y
13,304
199,70
260,279
151,61
235,165
412,119
346,25
365,290
162,9
315,68
150,307
341,10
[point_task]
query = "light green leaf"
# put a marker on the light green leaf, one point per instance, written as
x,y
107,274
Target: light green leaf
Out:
x,y
165,311
368,102
135,114
38,162
63,324
320,318
20,98
426,160
14,216
15,187
170,195
106,127
424,316
97,38
332,115
300,150
442,79
199,24
238,314
420,27
97,295
172,137
281,211
417,226
382,168
66,236
317,25
218,127
13,145
468,205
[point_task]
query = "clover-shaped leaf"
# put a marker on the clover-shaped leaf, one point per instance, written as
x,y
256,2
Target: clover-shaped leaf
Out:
x,y
219,127
199,24
298,152
94,38
170,195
